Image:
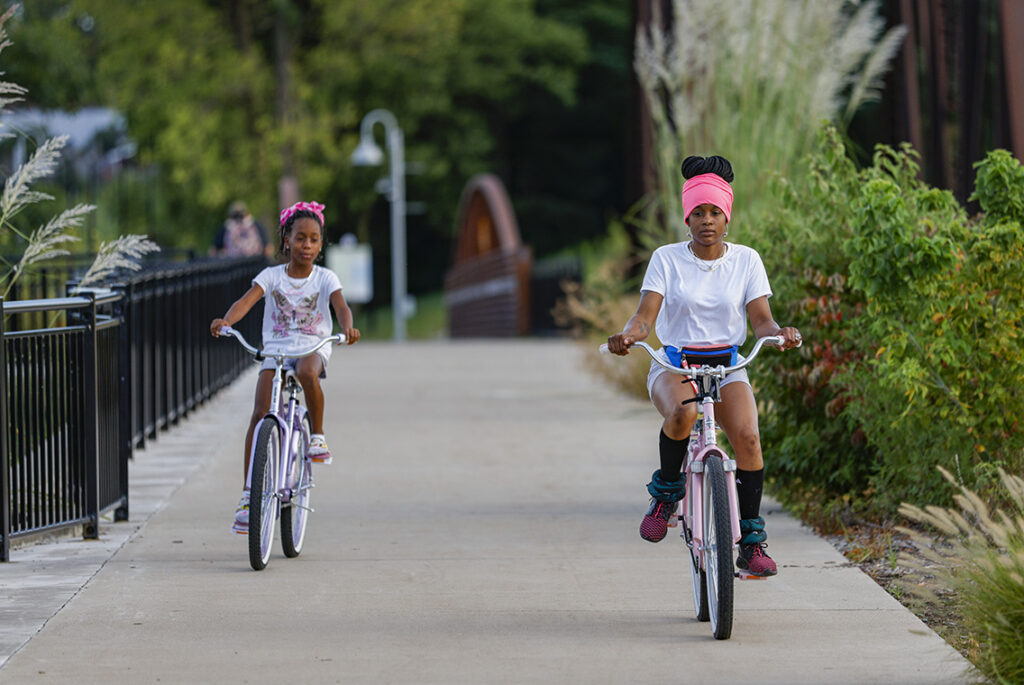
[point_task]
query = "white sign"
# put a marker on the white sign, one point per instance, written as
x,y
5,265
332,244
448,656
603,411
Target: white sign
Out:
x,y
353,263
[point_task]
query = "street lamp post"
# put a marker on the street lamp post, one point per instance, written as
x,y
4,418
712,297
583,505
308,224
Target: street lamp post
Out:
x,y
367,153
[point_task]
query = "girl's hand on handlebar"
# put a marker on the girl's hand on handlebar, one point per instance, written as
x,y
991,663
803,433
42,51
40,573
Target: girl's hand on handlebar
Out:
x,y
792,336
620,343
215,327
351,336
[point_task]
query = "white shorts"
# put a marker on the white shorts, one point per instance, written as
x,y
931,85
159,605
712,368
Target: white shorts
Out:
x,y
657,369
289,364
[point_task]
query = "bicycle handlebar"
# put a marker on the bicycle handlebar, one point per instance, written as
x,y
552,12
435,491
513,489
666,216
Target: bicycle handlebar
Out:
x,y
707,371
228,330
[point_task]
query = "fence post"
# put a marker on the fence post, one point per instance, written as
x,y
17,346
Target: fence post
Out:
x,y
91,529
5,463
124,389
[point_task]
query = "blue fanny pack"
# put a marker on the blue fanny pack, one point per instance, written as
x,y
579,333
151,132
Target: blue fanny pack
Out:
x,y
712,355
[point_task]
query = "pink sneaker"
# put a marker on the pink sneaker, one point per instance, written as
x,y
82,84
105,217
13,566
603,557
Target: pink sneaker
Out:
x,y
318,450
659,518
755,561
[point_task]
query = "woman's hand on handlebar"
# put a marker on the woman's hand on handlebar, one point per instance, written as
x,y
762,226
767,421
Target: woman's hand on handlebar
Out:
x,y
639,325
351,336
620,343
792,337
216,325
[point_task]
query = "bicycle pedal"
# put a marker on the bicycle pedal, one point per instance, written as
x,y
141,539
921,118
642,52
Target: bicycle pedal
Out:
x,y
743,575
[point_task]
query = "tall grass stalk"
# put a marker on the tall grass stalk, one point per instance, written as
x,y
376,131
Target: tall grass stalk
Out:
x,y
752,80
982,563
50,240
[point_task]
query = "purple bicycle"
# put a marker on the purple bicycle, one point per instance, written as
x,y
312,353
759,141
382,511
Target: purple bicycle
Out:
x,y
280,472
709,511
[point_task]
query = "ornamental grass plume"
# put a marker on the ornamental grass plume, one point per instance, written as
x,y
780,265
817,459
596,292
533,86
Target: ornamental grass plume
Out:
x,y
118,254
751,80
49,240
979,560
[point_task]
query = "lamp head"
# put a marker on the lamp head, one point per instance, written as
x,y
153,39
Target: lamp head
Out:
x,y
367,153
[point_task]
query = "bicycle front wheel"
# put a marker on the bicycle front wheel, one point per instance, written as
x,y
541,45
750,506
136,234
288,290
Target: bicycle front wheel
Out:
x,y
295,513
718,548
263,501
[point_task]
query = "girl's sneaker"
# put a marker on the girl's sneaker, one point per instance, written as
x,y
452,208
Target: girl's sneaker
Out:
x,y
754,560
659,518
241,524
318,450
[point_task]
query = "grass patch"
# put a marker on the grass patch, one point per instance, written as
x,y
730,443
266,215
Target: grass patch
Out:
x,y
430,321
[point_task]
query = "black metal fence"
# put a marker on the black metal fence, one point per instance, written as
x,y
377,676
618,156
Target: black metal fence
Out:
x,y
110,370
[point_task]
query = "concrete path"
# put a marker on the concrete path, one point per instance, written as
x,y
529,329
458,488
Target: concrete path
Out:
x,y
478,525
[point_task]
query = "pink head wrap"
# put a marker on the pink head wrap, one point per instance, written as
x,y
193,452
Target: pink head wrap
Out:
x,y
314,207
707,189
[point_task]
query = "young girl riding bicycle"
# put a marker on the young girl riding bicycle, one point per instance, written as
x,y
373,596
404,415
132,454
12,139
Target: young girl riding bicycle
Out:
x,y
299,296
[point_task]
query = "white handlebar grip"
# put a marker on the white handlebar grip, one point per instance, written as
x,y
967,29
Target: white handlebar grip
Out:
x,y
603,349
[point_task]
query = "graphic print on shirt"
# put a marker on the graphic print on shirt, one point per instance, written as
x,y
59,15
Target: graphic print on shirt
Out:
x,y
302,316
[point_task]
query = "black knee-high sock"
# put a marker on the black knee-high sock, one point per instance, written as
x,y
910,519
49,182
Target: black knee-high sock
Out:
x,y
673,454
748,489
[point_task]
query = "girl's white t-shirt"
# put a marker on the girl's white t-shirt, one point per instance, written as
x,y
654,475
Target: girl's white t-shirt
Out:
x,y
297,313
704,307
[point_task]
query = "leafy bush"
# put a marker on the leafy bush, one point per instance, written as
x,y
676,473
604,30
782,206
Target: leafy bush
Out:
x,y
913,317
982,562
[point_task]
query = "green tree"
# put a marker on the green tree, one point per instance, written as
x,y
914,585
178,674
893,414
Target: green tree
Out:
x,y
226,96
199,108
456,73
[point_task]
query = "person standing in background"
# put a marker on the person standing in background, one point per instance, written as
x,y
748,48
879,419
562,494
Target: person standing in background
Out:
x,y
241,235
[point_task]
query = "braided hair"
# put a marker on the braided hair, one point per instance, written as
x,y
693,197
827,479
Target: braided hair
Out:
x,y
286,228
695,166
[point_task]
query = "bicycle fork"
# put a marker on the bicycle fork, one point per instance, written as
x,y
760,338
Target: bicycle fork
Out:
x,y
703,441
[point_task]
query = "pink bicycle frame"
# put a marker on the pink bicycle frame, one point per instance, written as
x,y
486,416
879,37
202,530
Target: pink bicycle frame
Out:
x,y
704,441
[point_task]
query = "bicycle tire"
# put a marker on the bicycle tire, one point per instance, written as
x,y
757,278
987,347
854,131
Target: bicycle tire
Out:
x,y
295,514
263,501
718,547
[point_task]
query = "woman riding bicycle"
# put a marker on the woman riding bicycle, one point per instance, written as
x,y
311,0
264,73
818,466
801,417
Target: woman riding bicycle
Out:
x,y
299,296
699,293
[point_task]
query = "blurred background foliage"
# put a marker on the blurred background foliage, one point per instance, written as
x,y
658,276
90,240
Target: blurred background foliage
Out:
x,y
224,97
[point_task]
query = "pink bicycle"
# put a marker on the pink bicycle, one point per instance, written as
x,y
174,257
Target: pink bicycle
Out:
x,y
710,510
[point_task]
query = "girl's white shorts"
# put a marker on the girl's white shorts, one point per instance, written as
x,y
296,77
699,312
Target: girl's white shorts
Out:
x,y
289,364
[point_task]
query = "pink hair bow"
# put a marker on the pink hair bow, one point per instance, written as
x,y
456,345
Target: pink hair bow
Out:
x,y
314,207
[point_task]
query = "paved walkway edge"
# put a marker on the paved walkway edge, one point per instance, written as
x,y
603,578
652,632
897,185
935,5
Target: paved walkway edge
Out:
x,y
43,576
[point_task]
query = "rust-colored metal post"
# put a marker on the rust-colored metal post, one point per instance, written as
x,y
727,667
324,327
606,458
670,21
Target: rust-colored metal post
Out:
x,y
1012,25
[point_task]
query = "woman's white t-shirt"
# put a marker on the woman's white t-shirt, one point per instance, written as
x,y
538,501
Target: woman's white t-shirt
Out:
x,y
704,307
298,310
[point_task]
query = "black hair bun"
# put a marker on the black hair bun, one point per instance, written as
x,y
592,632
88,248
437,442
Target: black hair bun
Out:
x,y
695,166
